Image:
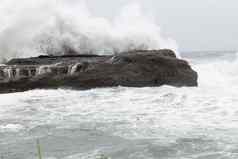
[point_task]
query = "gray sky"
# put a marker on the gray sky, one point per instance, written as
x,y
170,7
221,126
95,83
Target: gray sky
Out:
x,y
194,24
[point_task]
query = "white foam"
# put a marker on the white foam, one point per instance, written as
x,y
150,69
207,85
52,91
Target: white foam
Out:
x,y
11,128
33,27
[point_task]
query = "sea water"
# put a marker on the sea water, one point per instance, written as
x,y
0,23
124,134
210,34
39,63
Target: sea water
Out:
x,y
135,123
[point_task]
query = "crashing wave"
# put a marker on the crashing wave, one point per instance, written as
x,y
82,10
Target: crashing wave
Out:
x,y
33,27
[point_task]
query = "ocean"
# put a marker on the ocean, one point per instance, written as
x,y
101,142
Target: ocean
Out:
x,y
129,123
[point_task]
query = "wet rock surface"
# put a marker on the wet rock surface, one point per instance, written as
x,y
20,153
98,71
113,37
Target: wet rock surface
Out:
x,y
139,68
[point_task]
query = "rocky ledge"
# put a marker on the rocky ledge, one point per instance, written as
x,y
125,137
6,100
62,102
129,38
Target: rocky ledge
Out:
x,y
139,68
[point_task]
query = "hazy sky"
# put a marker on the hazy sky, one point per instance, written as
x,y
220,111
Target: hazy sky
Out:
x,y
194,24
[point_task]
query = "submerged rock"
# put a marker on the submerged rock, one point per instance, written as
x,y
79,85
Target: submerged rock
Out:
x,y
133,69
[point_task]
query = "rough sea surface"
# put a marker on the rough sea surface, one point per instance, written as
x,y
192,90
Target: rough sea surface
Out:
x,y
129,123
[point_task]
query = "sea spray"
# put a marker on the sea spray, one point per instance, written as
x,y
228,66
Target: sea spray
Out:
x,y
33,27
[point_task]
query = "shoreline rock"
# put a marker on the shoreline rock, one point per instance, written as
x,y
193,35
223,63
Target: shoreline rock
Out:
x,y
139,68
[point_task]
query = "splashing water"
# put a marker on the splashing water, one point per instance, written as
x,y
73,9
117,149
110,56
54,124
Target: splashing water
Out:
x,y
33,27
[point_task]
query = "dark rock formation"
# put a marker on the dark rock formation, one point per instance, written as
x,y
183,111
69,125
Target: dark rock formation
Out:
x,y
134,69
